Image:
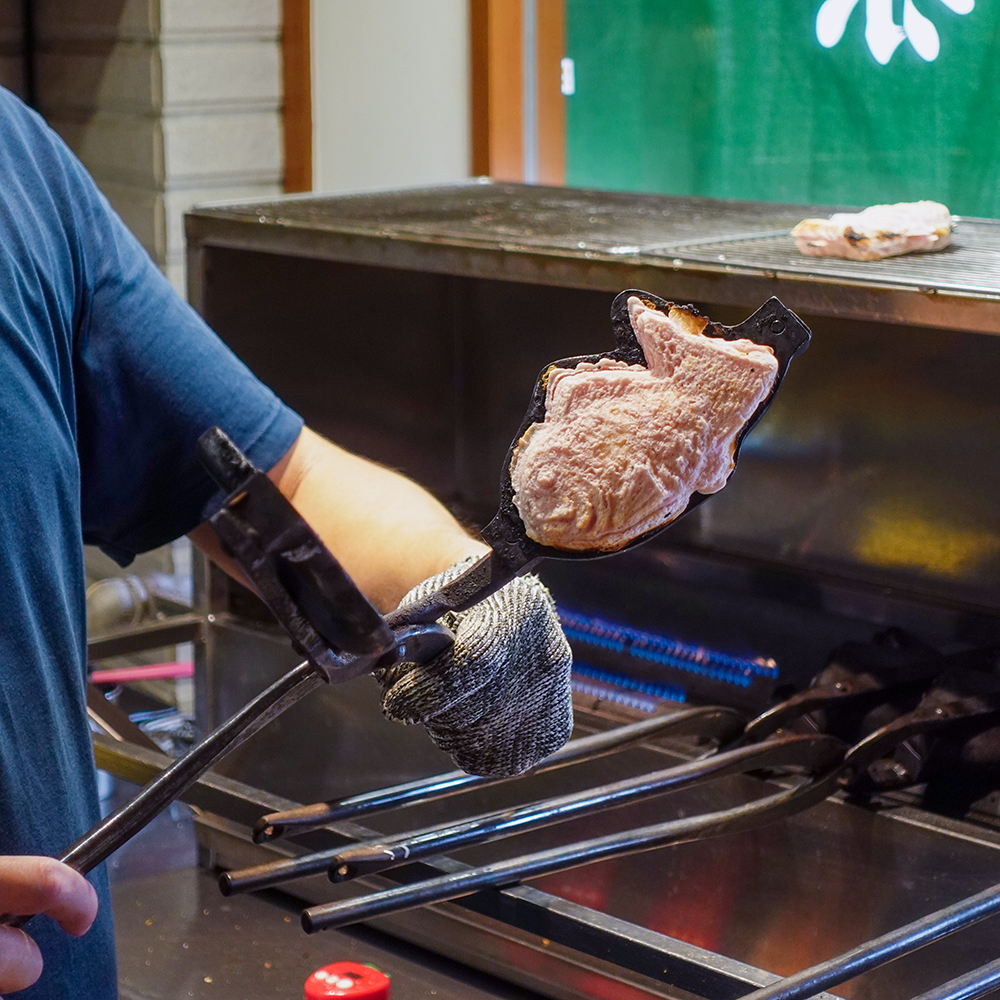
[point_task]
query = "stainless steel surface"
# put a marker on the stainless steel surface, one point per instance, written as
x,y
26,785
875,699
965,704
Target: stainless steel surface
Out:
x,y
778,899
609,241
802,891
178,938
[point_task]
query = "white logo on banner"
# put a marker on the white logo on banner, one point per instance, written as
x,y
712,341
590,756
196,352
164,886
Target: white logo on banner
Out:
x,y
882,33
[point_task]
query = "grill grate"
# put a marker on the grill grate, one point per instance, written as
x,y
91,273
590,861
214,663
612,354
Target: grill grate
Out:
x,y
971,264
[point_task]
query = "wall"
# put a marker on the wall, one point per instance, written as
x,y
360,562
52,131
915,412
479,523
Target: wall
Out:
x,y
390,93
168,103
11,46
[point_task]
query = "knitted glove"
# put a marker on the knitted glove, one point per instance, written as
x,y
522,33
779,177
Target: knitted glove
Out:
x,y
499,700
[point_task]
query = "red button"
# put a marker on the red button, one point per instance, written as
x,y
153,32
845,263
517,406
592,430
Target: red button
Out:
x,y
347,979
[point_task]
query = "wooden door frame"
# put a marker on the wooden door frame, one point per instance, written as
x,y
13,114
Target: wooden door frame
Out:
x,y
497,53
496,33
296,74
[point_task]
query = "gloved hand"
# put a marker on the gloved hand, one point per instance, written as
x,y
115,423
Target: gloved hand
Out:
x,y
499,700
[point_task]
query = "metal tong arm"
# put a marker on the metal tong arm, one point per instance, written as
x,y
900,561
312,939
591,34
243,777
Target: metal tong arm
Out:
x,y
746,817
824,696
709,721
378,855
105,838
505,873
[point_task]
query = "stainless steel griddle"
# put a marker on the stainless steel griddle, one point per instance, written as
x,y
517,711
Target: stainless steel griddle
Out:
x,y
889,420
556,236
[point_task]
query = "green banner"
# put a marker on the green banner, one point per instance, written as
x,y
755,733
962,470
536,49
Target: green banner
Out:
x,y
843,102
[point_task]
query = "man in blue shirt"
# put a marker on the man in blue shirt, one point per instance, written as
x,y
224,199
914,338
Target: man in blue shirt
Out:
x,y
107,379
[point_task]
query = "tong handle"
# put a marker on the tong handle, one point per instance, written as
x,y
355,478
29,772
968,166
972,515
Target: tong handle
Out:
x,y
484,577
106,837
305,587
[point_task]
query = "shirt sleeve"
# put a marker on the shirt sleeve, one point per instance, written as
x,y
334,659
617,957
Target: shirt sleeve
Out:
x,y
150,378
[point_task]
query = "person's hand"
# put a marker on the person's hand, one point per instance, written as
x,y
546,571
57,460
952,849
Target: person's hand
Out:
x,y
500,700
30,885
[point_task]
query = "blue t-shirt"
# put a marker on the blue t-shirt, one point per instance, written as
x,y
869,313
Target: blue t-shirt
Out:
x,y
107,378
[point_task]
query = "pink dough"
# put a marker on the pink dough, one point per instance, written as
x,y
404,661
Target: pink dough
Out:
x,y
623,447
878,231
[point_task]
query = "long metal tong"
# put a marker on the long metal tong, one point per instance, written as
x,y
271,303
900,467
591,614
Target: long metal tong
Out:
x,y
720,723
959,717
708,721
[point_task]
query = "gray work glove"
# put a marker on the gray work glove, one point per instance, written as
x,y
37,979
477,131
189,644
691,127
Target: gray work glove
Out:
x,y
499,700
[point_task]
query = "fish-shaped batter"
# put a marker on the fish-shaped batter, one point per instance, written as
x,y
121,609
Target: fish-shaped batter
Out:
x,y
879,231
623,447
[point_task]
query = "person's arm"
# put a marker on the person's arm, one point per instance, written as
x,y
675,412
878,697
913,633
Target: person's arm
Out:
x,y
388,533
30,885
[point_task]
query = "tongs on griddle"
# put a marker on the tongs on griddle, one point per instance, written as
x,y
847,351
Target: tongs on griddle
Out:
x,y
877,680
377,855
830,765
708,722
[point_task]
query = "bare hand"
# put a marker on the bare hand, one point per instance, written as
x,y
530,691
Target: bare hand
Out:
x,y
30,885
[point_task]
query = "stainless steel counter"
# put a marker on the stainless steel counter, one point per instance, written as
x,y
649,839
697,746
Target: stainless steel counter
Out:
x,y
727,253
178,938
